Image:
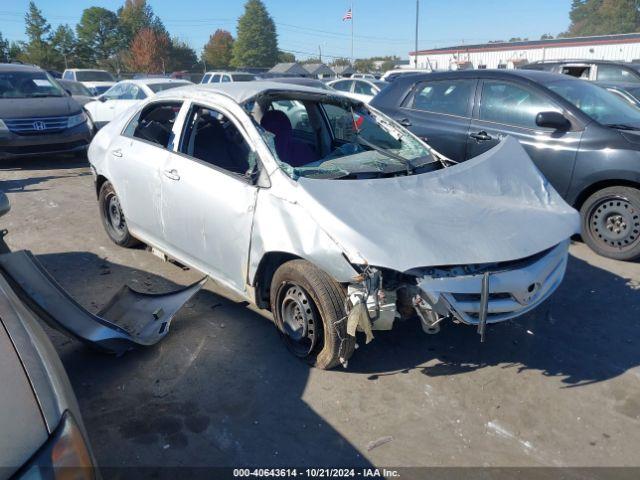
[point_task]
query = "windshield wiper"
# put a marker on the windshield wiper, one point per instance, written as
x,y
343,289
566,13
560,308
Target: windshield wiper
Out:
x,y
407,163
621,126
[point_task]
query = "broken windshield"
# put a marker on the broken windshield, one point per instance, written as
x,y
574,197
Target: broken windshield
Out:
x,y
338,138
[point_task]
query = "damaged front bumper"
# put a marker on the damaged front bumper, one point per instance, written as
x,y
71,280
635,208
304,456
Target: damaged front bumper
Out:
x,y
511,291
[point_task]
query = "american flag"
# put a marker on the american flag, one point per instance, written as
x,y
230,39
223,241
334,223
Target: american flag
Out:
x,y
347,16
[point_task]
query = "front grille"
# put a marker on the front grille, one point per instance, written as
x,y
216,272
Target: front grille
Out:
x,y
46,148
37,125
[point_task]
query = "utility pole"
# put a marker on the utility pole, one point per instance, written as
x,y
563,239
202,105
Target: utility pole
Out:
x,y
320,53
352,17
417,15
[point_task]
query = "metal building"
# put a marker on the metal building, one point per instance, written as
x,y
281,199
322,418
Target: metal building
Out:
x,y
624,47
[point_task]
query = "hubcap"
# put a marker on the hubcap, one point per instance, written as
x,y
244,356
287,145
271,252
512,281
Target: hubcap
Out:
x,y
298,320
115,215
615,222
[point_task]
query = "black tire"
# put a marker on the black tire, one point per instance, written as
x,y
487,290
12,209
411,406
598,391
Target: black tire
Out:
x,y
113,218
611,222
330,343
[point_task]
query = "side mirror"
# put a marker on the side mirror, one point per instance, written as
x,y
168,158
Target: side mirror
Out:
x,y
102,98
554,120
5,206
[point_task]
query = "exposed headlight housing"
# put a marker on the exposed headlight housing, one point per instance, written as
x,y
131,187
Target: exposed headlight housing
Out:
x,y
65,455
76,120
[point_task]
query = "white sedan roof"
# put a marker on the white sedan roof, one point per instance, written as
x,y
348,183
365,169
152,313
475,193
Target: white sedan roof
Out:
x,y
240,92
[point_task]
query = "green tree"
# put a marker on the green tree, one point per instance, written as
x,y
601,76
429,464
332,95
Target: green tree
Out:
x,y
603,17
134,16
63,43
4,49
286,57
181,56
546,36
257,42
37,49
364,65
340,62
98,36
218,51
17,51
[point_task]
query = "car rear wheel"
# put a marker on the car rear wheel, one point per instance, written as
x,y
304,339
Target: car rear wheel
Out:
x,y
611,222
308,309
113,217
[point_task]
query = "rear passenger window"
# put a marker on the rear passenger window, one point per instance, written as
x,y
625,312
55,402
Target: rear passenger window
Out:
x,y
363,88
343,86
211,137
206,78
615,73
445,96
511,104
154,123
215,79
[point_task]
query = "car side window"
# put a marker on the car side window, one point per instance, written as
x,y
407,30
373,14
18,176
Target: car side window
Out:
x,y
154,123
226,78
363,88
615,73
138,93
206,78
343,86
211,137
445,96
341,122
511,104
67,76
215,79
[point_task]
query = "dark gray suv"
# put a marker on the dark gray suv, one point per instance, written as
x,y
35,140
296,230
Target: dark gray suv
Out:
x,y
584,139
37,116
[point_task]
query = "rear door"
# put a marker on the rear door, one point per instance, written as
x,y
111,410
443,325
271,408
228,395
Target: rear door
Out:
x,y
509,108
135,164
439,112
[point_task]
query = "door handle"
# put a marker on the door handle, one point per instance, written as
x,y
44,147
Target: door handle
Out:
x,y
405,122
116,153
481,136
172,174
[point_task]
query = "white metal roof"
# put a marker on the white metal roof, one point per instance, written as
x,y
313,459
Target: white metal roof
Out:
x,y
240,92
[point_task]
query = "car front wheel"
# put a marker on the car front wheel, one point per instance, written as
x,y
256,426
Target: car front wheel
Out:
x,y
309,311
611,222
113,217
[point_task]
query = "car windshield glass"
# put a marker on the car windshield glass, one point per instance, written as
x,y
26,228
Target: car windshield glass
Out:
x,y
99,90
159,87
94,76
76,88
600,104
28,84
243,77
360,143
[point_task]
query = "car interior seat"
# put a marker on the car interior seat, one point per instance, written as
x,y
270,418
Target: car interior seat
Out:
x,y
290,150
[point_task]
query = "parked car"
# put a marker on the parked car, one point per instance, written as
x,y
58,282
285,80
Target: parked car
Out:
x,y
124,94
37,116
97,81
593,70
77,90
360,89
224,77
305,81
584,139
42,431
336,225
391,75
369,76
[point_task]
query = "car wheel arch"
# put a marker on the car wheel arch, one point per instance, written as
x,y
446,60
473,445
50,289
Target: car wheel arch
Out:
x,y
594,187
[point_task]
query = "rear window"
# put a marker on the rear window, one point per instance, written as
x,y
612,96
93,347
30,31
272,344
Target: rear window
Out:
x,y
159,87
242,77
94,76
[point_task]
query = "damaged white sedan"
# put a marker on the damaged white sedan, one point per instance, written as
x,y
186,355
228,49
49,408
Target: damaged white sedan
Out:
x,y
330,214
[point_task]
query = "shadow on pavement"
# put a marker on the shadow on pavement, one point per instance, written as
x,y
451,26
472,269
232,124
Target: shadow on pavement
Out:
x,y
219,390
587,332
60,162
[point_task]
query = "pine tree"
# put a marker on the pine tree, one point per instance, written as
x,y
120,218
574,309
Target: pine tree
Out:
x,y
257,42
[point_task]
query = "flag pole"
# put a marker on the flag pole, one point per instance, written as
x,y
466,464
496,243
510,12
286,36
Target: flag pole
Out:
x,y
352,32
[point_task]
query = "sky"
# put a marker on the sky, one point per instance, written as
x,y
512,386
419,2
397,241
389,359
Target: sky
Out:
x,y
381,27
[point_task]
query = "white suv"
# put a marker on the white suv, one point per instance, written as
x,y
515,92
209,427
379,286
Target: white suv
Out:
x,y
97,81
224,77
